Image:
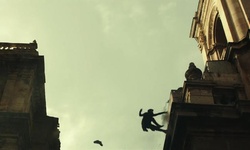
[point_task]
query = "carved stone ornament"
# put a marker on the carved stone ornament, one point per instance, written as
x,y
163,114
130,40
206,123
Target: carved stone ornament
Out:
x,y
193,73
201,39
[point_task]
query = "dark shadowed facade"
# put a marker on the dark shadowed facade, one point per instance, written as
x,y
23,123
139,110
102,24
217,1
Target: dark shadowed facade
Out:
x,y
24,124
212,109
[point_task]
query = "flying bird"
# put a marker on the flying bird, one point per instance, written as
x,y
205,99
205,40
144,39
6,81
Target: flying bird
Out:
x,y
98,142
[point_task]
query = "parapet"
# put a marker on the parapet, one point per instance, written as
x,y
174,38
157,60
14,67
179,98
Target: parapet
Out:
x,y
19,48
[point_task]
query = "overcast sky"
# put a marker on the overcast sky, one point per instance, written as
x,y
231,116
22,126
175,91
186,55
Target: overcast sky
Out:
x,y
104,61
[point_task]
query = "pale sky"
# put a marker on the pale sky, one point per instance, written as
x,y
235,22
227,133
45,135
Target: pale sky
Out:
x,y
104,61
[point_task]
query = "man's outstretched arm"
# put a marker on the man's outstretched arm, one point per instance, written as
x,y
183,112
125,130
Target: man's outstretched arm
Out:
x,y
140,114
160,113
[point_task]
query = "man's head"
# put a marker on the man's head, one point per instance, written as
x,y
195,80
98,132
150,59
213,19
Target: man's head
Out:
x,y
150,110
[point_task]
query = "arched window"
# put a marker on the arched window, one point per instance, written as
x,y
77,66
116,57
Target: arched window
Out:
x,y
220,39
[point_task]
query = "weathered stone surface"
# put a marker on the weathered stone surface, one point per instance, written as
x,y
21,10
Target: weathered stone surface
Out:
x,y
24,123
214,113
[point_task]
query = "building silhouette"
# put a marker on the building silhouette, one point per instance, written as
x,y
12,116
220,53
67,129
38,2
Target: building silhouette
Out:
x,y
24,124
212,109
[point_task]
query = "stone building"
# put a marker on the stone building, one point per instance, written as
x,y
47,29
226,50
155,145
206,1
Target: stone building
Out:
x,y
212,109
24,124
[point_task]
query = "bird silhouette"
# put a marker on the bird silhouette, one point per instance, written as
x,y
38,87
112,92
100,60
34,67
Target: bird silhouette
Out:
x,y
98,142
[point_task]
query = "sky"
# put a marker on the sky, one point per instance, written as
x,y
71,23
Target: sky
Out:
x,y
104,61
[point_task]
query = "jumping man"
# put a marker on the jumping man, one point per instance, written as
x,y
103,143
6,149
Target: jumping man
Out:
x,y
148,118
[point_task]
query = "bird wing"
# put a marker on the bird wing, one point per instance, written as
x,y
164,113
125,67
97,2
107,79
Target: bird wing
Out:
x,y
98,142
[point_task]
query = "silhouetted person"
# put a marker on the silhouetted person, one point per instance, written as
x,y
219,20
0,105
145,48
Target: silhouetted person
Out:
x,y
148,118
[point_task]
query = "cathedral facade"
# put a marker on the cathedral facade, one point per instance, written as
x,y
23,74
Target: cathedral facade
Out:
x,y
212,109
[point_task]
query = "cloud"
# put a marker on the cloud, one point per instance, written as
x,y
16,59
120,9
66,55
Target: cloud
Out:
x,y
106,15
137,12
166,8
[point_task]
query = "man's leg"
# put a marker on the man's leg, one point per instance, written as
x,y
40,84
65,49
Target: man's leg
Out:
x,y
159,129
145,129
153,128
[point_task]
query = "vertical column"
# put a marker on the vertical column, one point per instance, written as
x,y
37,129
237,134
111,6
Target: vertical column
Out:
x,y
233,20
243,63
245,5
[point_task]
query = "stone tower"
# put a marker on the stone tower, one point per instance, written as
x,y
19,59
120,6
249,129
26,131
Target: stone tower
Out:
x,y
24,124
212,109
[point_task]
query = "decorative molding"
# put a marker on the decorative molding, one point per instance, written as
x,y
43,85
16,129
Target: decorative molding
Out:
x,y
214,13
19,46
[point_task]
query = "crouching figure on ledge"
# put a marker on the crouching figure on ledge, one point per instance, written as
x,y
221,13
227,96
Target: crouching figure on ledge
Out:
x,y
148,119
